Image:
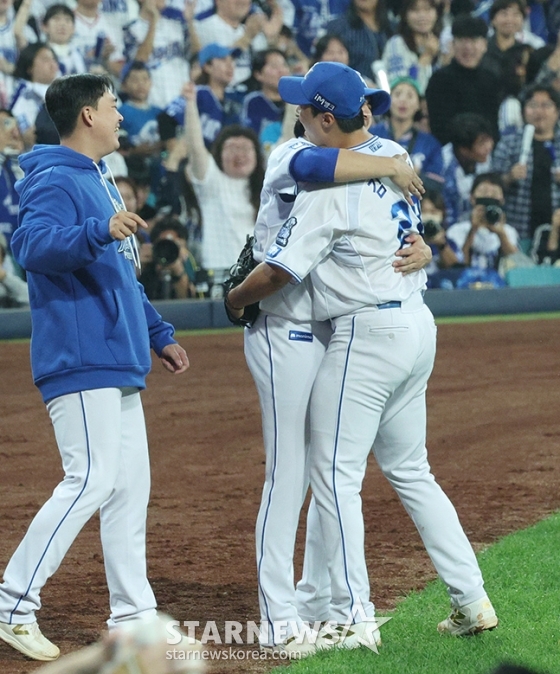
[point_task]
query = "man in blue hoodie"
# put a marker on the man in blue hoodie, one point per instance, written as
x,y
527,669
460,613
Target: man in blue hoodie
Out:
x,y
90,353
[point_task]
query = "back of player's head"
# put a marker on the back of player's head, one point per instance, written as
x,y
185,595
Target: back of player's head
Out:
x,y
332,87
466,26
56,10
66,97
466,127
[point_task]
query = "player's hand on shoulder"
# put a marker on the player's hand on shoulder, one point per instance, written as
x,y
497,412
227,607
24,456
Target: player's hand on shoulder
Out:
x,y
406,179
414,257
174,358
124,224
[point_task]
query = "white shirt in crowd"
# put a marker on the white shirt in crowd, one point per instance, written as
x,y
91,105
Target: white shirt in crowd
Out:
x,y
486,245
228,216
215,29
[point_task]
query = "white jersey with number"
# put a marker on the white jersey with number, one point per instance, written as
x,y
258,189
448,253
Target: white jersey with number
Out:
x,y
277,200
345,238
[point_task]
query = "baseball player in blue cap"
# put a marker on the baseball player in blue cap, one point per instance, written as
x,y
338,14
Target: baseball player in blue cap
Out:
x,y
371,383
284,349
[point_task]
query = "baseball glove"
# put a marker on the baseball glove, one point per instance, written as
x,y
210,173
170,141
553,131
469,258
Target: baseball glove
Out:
x,y
237,274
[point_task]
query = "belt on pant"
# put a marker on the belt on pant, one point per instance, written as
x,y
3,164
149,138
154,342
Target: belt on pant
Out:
x,y
389,305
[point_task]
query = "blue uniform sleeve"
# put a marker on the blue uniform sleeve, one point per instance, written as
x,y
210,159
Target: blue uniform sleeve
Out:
x,y
314,165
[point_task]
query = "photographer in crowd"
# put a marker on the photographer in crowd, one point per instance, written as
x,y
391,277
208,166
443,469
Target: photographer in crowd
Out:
x,y
171,273
483,240
444,266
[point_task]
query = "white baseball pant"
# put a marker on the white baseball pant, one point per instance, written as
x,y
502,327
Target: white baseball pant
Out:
x,y
101,436
370,390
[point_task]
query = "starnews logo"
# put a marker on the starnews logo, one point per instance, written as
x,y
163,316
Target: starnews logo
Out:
x,y
358,630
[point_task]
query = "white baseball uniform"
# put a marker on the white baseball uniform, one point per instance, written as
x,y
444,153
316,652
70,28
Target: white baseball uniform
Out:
x,y
283,350
370,388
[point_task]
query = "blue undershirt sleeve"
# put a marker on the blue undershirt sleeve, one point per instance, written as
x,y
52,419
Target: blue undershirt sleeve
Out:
x,y
314,165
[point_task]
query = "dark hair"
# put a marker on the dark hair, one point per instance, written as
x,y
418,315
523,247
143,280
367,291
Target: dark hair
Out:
x,y
461,7
256,178
517,55
26,58
542,88
169,222
436,197
55,10
345,125
469,26
498,5
406,31
493,178
261,57
466,127
135,65
381,17
66,97
128,181
322,45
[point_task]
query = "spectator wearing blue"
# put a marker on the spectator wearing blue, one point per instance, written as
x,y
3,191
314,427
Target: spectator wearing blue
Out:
x,y
415,51
466,155
365,29
532,184
218,104
423,148
311,18
263,110
140,117
464,85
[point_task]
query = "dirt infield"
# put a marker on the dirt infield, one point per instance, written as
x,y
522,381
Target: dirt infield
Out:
x,y
494,441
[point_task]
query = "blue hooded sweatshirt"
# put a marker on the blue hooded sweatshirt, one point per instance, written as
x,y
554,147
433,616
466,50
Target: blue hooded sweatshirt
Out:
x,y
92,324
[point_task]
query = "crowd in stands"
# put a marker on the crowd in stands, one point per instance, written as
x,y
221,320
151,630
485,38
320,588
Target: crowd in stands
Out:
x,y
475,90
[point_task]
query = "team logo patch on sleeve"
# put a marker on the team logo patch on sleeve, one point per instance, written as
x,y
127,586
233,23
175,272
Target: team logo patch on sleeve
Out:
x,y
285,231
299,336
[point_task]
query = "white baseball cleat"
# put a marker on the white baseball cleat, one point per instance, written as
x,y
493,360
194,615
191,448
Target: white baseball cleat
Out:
x,y
350,636
470,619
29,640
293,647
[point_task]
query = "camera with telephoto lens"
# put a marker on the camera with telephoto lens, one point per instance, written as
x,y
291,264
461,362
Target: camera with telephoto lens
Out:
x,y
165,252
492,209
431,228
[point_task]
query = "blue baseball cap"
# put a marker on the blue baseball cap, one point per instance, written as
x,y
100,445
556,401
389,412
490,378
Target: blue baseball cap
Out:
x,y
213,51
333,87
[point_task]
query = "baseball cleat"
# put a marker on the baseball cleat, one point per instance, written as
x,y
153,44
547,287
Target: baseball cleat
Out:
x,y
337,635
292,648
29,640
470,619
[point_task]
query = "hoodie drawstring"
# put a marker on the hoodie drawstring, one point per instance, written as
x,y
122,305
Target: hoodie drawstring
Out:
x,y
117,208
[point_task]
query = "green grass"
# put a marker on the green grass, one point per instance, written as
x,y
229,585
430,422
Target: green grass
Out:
x,y
522,576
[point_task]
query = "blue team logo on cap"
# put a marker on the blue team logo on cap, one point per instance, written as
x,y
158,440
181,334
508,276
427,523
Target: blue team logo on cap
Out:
x,y
285,232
